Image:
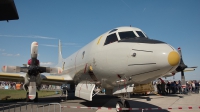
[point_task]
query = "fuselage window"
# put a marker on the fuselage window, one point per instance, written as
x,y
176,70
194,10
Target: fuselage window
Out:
x,y
111,38
127,35
140,34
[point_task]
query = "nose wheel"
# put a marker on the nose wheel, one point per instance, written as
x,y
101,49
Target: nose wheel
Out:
x,y
122,104
119,105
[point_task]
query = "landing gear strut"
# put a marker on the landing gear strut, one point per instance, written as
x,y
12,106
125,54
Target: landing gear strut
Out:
x,y
36,97
27,98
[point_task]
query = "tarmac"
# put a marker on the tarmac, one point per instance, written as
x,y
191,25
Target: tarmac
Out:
x,y
168,103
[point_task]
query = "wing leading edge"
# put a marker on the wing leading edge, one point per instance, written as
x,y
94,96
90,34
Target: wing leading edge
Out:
x,y
45,79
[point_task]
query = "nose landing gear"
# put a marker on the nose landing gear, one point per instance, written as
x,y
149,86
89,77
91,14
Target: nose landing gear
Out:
x,y
123,103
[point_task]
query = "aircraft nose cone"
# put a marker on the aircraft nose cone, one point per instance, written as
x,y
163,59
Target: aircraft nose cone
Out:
x,y
173,58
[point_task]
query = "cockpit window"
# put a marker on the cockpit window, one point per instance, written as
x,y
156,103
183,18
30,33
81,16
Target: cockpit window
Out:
x,y
113,30
127,35
140,34
111,38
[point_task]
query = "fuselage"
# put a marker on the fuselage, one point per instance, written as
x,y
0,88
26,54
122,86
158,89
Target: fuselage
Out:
x,y
122,55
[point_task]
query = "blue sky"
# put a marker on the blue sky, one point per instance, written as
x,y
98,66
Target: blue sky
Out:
x,y
77,22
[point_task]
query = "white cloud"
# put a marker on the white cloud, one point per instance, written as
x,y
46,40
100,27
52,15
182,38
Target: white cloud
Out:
x,y
18,54
48,45
63,45
7,54
1,50
28,36
46,63
70,44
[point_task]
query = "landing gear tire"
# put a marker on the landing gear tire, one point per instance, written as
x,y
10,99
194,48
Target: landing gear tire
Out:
x,y
36,97
27,98
119,105
122,104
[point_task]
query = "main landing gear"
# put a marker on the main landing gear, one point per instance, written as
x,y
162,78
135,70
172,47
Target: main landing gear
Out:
x,y
123,103
28,100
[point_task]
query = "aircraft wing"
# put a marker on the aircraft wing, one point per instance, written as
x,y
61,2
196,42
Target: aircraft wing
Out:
x,y
56,80
19,77
8,10
15,77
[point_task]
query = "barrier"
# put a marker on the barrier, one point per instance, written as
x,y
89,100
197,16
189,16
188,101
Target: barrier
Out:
x,y
30,107
56,107
110,108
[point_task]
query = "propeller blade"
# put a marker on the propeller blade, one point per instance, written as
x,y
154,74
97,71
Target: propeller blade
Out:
x,y
179,51
192,67
182,65
24,69
11,69
34,50
50,70
32,90
183,78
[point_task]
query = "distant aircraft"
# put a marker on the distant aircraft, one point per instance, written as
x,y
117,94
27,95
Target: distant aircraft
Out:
x,y
117,60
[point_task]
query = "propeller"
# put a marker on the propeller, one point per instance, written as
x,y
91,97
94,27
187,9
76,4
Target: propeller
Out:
x,y
33,67
182,67
33,70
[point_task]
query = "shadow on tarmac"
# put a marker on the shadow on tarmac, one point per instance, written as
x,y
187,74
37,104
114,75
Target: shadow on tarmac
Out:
x,y
98,101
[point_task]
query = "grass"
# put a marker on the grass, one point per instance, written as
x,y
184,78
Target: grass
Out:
x,y
21,94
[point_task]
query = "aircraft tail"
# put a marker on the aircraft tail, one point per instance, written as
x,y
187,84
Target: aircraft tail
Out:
x,y
59,53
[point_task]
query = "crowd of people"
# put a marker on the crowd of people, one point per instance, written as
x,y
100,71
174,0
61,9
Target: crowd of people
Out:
x,y
13,85
161,86
175,87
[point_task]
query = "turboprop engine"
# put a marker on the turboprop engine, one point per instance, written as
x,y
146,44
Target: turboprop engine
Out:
x,y
32,80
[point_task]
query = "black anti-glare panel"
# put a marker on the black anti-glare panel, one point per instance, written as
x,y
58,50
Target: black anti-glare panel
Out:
x,y
8,10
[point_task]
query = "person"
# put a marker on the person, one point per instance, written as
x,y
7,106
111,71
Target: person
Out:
x,y
179,87
163,92
64,89
193,86
168,87
18,86
159,87
173,87
176,87
155,86
197,87
187,87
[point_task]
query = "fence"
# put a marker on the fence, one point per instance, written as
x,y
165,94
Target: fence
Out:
x,y
56,107
30,107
